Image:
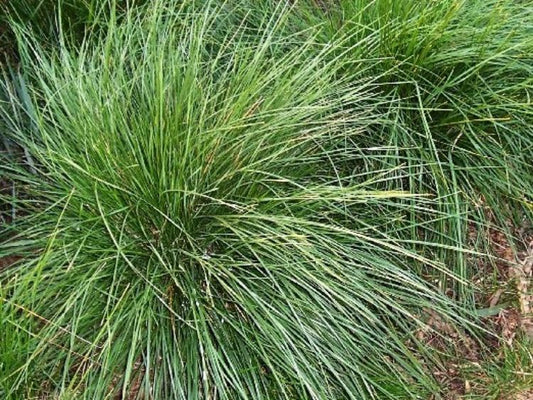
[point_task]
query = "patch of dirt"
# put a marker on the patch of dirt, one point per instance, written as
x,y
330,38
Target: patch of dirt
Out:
x,y
506,290
135,385
445,337
515,268
6,262
525,395
510,287
523,275
439,334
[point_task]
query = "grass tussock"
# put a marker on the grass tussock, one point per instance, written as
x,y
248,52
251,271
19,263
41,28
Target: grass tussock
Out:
x,y
209,200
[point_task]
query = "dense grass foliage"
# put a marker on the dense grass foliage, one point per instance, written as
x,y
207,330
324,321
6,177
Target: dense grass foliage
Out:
x,y
458,77
48,18
215,200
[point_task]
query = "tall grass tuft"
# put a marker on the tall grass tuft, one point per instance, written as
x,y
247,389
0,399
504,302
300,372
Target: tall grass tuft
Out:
x,y
458,78
196,220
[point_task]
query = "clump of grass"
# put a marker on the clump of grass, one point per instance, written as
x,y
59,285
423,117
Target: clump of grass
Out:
x,y
196,223
458,78
47,17
461,88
